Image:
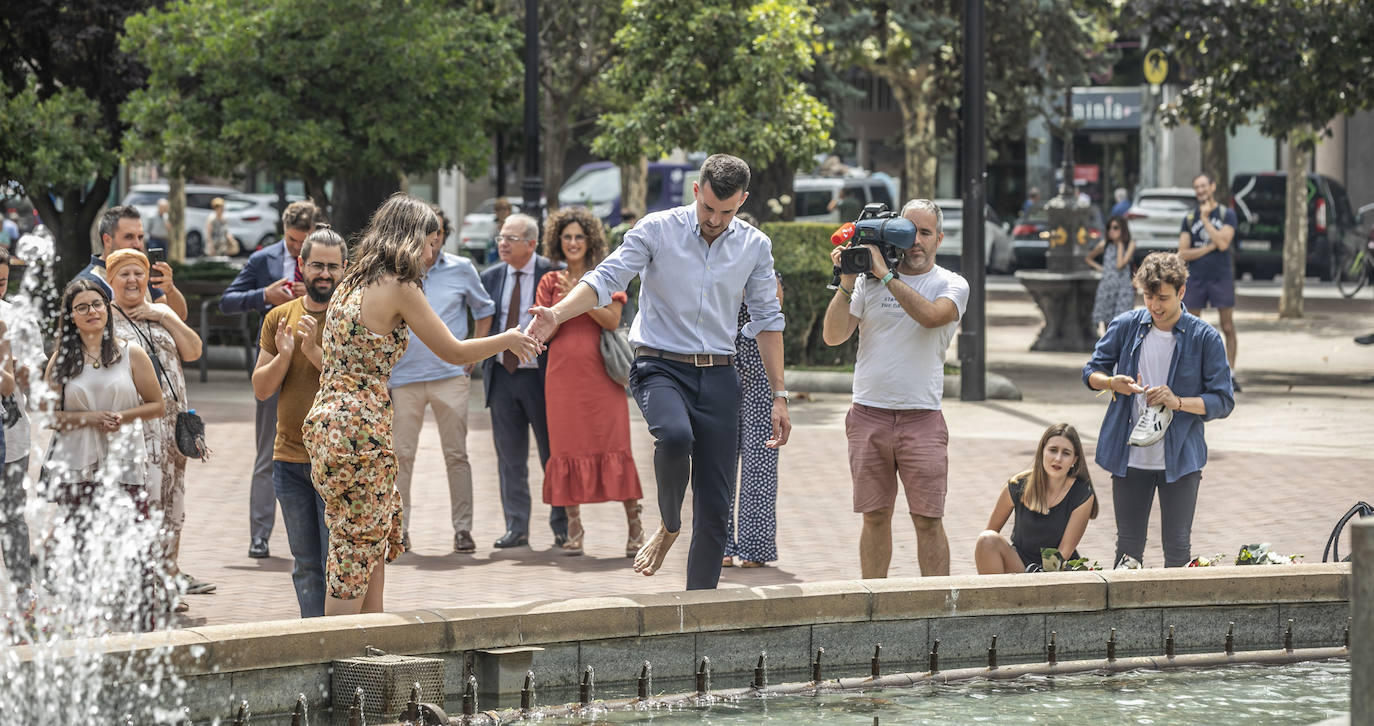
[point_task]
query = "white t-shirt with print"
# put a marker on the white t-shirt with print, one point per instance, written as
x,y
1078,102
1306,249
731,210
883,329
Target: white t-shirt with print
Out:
x,y
901,364
1156,352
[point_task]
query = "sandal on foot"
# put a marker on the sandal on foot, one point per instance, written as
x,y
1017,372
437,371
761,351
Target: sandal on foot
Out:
x,y
727,562
650,557
198,587
573,545
749,563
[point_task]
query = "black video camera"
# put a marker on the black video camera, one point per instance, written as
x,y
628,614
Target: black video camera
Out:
x,y
891,233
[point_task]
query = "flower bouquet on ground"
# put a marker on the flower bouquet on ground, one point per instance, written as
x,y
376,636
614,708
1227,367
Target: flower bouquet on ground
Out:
x,y
1260,554
1051,560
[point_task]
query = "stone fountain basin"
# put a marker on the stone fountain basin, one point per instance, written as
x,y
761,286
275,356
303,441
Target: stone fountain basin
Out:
x,y
269,663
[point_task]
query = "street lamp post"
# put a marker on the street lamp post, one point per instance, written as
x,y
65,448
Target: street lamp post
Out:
x,y
972,338
532,186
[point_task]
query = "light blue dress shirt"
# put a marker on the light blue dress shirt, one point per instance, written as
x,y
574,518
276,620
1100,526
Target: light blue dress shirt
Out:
x,y
691,291
452,287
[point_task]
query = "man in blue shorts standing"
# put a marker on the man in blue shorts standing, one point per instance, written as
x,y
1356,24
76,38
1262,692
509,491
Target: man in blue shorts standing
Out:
x,y
1204,242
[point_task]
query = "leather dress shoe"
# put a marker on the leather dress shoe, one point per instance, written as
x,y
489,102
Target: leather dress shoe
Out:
x,y
512,539
462,542
258,549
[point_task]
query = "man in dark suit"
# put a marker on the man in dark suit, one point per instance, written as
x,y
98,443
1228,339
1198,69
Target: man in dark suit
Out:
x,y
271,277
515,391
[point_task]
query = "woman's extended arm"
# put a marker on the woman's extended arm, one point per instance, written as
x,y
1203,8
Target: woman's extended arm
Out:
x,y
414,309
1078,523
187,340
1001,511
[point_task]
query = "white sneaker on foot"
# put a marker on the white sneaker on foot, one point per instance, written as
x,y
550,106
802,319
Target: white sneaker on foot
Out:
x,y
1151,425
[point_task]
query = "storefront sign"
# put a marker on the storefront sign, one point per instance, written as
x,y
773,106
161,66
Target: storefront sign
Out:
x,y
1106,108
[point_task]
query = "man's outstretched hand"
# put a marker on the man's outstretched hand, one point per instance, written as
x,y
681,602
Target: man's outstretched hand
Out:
x,y
543,324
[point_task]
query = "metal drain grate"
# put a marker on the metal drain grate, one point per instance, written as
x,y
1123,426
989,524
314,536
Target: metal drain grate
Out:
x,y
386,681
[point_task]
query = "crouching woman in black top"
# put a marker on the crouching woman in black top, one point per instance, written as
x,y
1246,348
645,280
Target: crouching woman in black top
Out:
x,y
1053,501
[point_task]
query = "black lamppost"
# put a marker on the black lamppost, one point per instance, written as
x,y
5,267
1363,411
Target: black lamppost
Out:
x,y
532,186
973,327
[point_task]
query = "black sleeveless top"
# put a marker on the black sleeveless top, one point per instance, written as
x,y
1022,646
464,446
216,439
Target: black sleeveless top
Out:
x,y
1033,530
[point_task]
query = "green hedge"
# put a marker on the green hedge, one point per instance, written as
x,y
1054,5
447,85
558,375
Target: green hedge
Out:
x,y
801,254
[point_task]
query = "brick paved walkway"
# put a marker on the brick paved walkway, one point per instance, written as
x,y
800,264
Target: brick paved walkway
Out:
x,y
1283,468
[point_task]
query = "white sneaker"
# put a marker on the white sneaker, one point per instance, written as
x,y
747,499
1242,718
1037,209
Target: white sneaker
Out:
x,y
1151,425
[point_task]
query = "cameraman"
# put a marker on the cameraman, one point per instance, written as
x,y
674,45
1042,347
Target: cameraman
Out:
x,y
895,426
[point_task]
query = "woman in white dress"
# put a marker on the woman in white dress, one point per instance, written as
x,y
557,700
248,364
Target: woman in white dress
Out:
x,y
105,391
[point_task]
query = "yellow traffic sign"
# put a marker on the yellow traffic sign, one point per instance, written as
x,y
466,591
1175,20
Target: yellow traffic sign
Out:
x,y
1156,66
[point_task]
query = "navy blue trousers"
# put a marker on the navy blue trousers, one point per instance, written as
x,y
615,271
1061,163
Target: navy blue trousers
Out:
x,y
693,414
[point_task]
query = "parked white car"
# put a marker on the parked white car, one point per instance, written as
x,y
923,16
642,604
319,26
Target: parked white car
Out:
x,y
997,250
812,194
1156,218
252,217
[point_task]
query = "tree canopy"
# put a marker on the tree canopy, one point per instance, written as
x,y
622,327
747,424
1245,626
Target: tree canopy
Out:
x,y
63,79
716,76
364,89
1034,50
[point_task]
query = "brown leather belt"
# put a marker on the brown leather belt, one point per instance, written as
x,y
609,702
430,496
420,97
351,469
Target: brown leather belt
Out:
x,y
700,360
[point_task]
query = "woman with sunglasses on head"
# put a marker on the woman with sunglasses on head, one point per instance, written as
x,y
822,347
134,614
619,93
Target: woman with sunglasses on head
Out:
x,y
1053,501
168,341
347,432
1115,292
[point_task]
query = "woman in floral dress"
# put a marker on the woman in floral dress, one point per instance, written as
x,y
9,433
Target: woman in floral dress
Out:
x,y
348,430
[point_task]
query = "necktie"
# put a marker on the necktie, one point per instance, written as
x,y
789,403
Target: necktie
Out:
x,y
300,274
508,359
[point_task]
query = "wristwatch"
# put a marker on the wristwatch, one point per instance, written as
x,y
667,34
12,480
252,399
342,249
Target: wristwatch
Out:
x,y
784,395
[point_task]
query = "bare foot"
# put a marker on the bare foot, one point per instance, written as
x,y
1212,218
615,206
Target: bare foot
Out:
x,y
651,555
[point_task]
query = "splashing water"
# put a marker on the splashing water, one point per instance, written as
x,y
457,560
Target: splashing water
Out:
x,y
99,566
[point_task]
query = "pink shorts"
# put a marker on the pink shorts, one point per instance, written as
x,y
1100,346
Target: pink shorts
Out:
x,y
884,443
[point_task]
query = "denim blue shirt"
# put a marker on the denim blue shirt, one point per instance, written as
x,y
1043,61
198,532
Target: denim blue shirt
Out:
x,y
1198,368
452,288
691,291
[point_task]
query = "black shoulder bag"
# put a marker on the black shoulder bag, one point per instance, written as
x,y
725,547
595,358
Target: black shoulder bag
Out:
x,y
190,428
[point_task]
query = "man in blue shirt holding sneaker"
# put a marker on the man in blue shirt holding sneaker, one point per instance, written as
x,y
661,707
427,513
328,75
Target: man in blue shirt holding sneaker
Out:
x,y
1168,373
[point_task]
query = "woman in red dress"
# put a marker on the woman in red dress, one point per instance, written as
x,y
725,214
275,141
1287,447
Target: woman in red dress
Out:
x,y
588,413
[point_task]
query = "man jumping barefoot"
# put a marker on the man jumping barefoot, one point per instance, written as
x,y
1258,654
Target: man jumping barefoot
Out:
x,y
697,262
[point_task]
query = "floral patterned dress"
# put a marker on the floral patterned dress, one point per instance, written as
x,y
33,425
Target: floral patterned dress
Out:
x,y
348,436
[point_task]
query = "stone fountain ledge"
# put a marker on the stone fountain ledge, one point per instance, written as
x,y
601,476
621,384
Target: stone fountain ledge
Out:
x,y
268,663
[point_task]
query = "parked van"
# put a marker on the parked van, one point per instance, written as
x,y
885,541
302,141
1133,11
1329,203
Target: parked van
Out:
x,y
1259,202
812,195
596,185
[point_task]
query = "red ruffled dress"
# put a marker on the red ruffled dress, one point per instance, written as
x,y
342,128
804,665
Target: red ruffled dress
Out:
x,y
588,415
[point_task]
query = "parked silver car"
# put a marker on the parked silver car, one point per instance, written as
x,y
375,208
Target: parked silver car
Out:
x,y
997,246
477,233
1156,218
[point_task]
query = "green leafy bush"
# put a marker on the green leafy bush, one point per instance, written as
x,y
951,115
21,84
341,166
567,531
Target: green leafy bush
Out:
x,y
801,254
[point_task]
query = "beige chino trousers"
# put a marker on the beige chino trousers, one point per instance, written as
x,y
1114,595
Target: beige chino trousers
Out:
x,y
448,398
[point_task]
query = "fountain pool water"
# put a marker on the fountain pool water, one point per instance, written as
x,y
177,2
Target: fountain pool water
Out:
x,y
1300,693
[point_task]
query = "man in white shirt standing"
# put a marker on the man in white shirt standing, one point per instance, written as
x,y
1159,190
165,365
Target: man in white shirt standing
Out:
x,y
905,318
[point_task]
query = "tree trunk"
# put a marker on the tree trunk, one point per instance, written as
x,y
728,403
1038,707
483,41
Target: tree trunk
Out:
x,y
921,164
357,198
769,182
1295,229
556,141
71,228
314,190
1216,164
634,186
176,217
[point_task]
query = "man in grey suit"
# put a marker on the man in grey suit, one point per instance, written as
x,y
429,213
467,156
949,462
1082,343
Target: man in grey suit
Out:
x,y
515,391
271,277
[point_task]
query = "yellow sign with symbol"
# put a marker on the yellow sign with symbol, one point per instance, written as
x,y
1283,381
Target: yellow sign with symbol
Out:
x,y
1156,66
1082,235
1058,237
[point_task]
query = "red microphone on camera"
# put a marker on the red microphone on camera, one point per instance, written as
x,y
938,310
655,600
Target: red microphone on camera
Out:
x,y
842,235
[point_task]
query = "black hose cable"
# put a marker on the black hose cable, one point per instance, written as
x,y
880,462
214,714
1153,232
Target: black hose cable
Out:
x,y
1332,551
